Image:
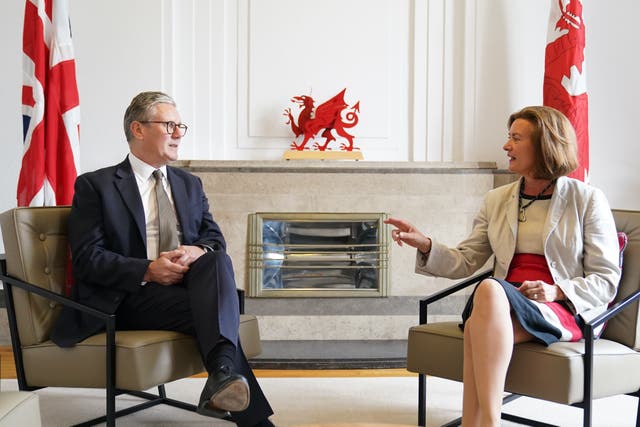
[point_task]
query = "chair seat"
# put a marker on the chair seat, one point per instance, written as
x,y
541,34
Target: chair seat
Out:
x,y
153,357
558,372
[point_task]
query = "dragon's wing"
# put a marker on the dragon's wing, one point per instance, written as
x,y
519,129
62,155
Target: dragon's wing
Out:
x,y
331,106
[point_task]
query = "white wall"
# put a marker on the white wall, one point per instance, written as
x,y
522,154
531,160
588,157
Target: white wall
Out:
x,y
436,79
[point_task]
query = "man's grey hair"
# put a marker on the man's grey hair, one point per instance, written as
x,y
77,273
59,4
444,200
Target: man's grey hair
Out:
x,y
141,109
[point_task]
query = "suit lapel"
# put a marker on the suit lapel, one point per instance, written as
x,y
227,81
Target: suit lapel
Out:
x,y
125,182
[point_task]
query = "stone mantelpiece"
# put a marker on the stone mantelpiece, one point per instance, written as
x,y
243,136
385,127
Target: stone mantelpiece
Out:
x,y
312,166
439,198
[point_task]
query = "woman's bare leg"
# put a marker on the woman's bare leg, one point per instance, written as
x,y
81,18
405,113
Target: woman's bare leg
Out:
x,y
490,333
470,410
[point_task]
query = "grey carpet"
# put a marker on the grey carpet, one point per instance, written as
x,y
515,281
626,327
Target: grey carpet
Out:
x,y
300,401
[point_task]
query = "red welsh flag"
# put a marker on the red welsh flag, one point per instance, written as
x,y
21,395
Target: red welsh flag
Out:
x,y
50,106
565,87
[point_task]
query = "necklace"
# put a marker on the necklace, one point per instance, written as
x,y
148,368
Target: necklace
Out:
x,y
522,217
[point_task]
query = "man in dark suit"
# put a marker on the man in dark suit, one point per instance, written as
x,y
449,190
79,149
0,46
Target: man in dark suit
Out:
x,y
144,246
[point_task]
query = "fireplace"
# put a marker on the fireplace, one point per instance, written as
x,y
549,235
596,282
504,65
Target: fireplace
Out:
x,y
318,255
441,198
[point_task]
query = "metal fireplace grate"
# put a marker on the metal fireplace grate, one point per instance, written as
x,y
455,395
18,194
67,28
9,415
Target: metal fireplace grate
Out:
x,y
318,254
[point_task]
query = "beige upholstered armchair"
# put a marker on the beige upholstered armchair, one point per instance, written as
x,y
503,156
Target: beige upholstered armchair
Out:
x,y
33,274
567,373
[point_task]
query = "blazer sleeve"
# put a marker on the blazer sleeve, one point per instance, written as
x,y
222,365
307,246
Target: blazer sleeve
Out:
x,y
201,229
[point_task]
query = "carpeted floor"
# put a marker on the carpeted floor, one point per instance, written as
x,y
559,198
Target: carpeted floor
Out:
x,y
300,401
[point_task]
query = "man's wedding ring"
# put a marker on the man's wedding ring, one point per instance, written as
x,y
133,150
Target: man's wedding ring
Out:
x,y
535,296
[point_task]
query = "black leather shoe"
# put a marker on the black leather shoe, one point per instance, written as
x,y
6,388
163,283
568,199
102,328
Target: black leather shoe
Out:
x,y
224,392
205,409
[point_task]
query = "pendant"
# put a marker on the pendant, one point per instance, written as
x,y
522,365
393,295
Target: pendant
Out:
x,y
521,216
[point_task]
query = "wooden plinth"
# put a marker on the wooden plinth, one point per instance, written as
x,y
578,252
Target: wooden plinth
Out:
x,y
322,155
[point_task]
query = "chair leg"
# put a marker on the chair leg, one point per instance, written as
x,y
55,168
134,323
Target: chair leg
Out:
x,y
587,410
422,400
111,408
638,411
111,372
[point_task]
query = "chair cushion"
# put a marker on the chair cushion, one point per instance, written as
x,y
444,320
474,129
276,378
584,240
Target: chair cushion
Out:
x,y
436,349
38,235
152,358
144,359
558,368
250,336
622,243
625,327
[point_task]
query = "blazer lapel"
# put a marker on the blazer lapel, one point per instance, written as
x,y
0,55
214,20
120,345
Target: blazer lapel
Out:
x,y
126,184
558,205
511,209
180,201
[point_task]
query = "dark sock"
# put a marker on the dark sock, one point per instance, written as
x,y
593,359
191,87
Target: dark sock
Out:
x,y
223,354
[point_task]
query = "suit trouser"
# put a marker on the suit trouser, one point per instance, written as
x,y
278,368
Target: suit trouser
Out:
x,y
205,305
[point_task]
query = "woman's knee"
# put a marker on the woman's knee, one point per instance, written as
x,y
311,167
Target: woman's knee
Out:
x,y
490,293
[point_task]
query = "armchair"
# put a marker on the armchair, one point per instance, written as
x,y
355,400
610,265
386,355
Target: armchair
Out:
x,y
567,373
129,362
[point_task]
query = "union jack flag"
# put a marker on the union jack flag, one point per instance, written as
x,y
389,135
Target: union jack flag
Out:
x,y
565,83
50,106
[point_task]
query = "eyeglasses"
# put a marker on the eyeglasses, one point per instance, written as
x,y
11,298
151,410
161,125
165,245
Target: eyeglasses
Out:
x,y
171,126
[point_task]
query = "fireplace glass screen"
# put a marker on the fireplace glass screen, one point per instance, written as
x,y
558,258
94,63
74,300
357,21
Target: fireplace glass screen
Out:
x,y
318,254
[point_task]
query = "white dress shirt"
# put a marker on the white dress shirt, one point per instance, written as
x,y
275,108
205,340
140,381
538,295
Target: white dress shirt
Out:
x,y
146,185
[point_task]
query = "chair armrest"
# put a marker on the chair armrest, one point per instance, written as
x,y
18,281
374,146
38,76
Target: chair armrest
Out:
x,y
457,287
610,312
448,291
12,281
109,322
589,338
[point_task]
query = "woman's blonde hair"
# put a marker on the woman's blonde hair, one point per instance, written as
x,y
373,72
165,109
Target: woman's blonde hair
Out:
x,y
554,140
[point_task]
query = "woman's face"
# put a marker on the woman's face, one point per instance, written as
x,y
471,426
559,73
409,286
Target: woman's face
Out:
x,y
520,148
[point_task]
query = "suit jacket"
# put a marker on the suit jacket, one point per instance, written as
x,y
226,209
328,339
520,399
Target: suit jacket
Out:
x,y
579,240
107,236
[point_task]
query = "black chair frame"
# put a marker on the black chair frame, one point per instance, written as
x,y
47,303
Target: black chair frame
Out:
x,y
110,362
588,335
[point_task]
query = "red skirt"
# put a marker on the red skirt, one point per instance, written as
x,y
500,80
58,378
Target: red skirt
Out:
x,y
534,267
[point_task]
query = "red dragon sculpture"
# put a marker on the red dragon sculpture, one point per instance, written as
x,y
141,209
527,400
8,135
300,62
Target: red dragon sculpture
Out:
x,y
327,116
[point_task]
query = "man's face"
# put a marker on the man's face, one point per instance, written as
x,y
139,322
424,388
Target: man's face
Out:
x,y
152,143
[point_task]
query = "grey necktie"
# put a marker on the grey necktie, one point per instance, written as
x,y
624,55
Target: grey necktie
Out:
x,y
167,222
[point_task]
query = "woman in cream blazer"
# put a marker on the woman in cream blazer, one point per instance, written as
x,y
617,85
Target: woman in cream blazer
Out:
x,y
563,260
580,243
